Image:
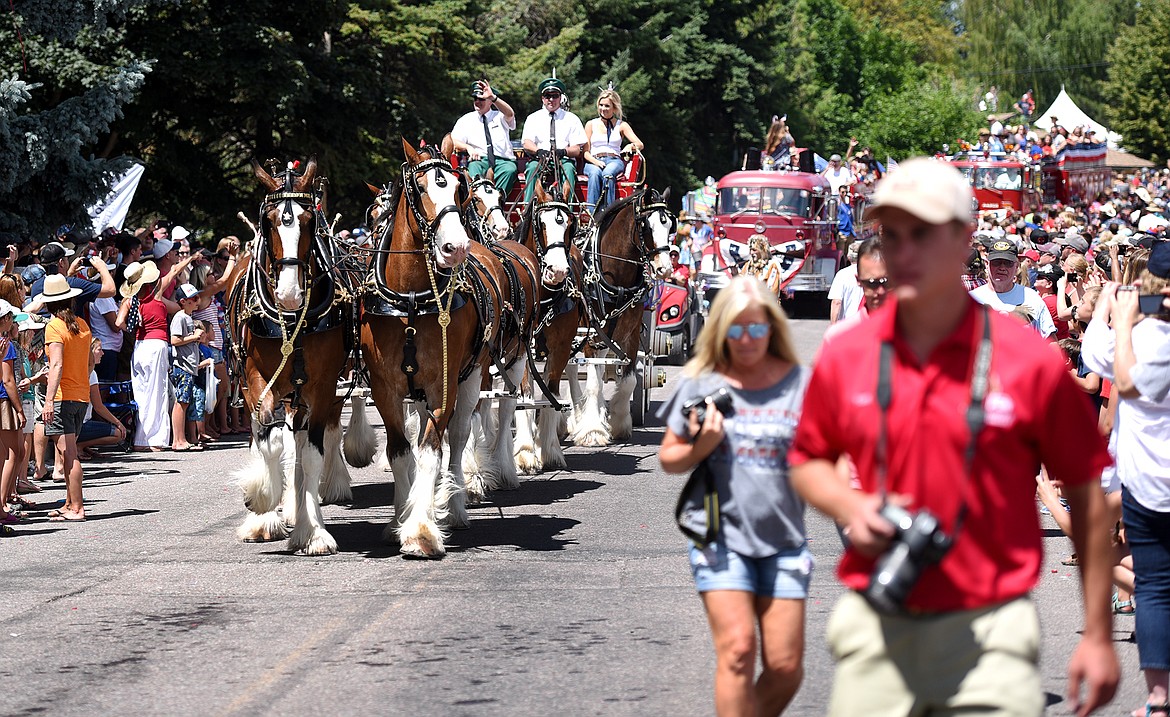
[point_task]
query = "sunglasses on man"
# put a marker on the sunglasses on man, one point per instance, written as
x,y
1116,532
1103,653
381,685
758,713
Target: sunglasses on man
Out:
x,y
551,95
874,284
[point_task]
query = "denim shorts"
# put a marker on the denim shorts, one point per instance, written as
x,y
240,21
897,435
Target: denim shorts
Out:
x,y
96,429
216,354
785,575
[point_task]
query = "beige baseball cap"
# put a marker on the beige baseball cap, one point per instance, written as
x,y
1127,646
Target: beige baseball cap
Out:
x,y
930,189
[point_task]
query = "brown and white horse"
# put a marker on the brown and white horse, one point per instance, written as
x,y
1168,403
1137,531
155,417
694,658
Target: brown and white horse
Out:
x,y
428,325
293,325
488,209
492,465
548,229
629,252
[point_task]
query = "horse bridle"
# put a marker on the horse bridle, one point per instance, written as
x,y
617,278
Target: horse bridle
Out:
x,y
483,218
644,213
288,195
564,216
429,229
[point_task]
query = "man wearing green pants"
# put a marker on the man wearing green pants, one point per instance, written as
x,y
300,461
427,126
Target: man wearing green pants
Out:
x,y
493,119
552,122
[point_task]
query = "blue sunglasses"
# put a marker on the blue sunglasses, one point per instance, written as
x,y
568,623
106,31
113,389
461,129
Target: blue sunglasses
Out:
x,y
756,331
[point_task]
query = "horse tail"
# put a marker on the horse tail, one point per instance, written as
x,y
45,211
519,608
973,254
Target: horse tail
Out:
x,y
361,444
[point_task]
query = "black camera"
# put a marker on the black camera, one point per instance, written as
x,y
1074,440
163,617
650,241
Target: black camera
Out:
x,y
721,399
919,542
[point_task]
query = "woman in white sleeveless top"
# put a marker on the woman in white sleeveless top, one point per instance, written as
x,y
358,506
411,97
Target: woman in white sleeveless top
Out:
x,y
603,147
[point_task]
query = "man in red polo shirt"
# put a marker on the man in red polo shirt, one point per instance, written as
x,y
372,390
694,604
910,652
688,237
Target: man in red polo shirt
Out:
x,y
965,639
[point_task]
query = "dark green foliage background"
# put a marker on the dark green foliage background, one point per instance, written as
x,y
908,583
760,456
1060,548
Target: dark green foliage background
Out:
x,y
196,88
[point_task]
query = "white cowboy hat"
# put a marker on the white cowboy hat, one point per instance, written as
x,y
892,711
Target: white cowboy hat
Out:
x,y
56,288
6,309
138,275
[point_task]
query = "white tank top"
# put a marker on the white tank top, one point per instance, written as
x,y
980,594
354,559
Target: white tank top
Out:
x,y
603,139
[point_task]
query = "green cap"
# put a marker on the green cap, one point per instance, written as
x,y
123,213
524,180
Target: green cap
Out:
x,y
552,83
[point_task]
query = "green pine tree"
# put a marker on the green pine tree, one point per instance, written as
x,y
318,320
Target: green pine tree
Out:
x,y
63,81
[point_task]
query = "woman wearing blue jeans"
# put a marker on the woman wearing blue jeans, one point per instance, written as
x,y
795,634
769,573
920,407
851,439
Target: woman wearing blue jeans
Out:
x,y
603,148
1135,354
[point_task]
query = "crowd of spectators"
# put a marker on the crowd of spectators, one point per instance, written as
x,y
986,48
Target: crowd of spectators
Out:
x,y
109,343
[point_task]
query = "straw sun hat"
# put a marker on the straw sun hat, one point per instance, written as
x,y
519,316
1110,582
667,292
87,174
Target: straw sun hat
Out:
x,y
138,275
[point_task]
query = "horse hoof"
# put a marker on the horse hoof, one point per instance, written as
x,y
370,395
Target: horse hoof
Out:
x,y
476,490
592,439
528,463
322,543
556,463
264,528
419,550
337,495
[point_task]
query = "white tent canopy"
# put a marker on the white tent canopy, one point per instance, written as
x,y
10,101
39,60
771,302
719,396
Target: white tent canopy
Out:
x,y
1068,115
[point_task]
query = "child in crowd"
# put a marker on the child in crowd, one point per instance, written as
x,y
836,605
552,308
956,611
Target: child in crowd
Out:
x,y
185,338
206,382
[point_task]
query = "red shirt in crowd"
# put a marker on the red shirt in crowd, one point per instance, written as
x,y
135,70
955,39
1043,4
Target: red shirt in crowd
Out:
x,y
154,320
1034,414
1061,325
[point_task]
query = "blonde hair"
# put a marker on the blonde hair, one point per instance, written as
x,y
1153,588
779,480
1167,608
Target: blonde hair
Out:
x,y
1135,266
615,99
1079,265
1151,283
744,292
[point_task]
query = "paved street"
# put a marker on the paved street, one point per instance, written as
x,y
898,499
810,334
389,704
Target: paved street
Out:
x,y
570,596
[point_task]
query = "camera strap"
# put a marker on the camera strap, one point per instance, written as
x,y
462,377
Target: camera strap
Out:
x,y
980,378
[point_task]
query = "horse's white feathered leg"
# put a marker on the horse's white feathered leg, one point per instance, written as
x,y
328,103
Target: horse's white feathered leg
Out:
x,y
262,481
505,444
310,535
621,424
361,443
335,480
458,430
592,425
419,535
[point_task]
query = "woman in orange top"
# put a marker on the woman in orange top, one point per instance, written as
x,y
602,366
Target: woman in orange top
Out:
x,y
67,340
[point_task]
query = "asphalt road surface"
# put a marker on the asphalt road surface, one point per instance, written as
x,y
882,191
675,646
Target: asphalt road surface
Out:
x,y
569,596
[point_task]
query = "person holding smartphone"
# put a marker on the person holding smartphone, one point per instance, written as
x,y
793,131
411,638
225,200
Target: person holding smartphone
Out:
x,y
755,574
1128,342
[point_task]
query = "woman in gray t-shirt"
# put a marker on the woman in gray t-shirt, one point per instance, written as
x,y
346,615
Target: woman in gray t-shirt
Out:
x,y
756,572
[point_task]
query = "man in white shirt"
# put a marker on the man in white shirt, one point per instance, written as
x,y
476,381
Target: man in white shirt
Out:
x,y
1003,294
494,118
845,295
996,126
569,138
838,175
102,313
1009,178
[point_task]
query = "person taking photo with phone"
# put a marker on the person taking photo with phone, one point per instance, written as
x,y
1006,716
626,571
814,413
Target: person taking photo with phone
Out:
x,y
947,408
1128,342
754,574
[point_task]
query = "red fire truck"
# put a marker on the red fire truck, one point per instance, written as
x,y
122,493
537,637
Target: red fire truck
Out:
x,y
796,211
1001,182
1076,174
